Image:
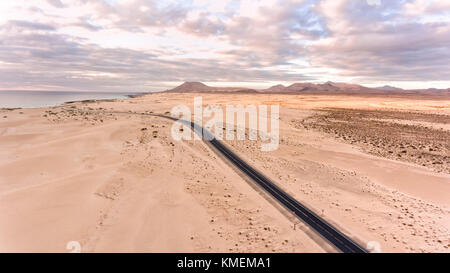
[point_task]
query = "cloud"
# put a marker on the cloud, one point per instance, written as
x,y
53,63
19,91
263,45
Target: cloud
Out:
x,y
203,25
138,44
28,25
56,3
425,7
373,2
61,62
381,45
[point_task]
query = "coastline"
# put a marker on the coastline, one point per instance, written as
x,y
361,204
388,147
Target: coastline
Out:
x,y
41,99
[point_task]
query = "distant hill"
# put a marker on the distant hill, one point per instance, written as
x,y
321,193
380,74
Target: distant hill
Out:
x,y
388,88
278,87
308,88
328,87
191,87
198,87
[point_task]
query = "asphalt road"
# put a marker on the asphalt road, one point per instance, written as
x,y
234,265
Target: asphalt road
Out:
x,y
330,233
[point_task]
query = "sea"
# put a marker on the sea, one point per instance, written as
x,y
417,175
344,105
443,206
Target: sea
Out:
x,y
34,99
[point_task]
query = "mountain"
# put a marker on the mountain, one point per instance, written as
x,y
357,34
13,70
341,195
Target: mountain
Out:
x,y
191,87
309,88
198,87
388,88
328,87
347,86
299,87
278,87
293,88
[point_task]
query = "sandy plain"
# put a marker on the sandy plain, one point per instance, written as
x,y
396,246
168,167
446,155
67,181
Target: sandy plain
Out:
x,y
113,180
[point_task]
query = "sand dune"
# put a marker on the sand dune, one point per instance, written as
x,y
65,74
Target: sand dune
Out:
x,y
119,182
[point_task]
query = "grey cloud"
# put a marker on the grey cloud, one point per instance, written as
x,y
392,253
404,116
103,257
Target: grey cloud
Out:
x,y
28,25
56,3
377,42
264,41
132,18
383,45
83,22
203,26
62,62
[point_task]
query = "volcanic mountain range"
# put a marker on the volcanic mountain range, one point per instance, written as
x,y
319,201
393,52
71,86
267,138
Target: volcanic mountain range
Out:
x,y
306,88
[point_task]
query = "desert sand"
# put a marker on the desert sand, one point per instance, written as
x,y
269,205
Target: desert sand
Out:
x,y
115,181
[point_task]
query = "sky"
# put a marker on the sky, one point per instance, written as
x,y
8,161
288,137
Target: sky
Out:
x,y
138,45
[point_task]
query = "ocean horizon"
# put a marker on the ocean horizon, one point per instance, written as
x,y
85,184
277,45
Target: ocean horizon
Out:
x,y
36,99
